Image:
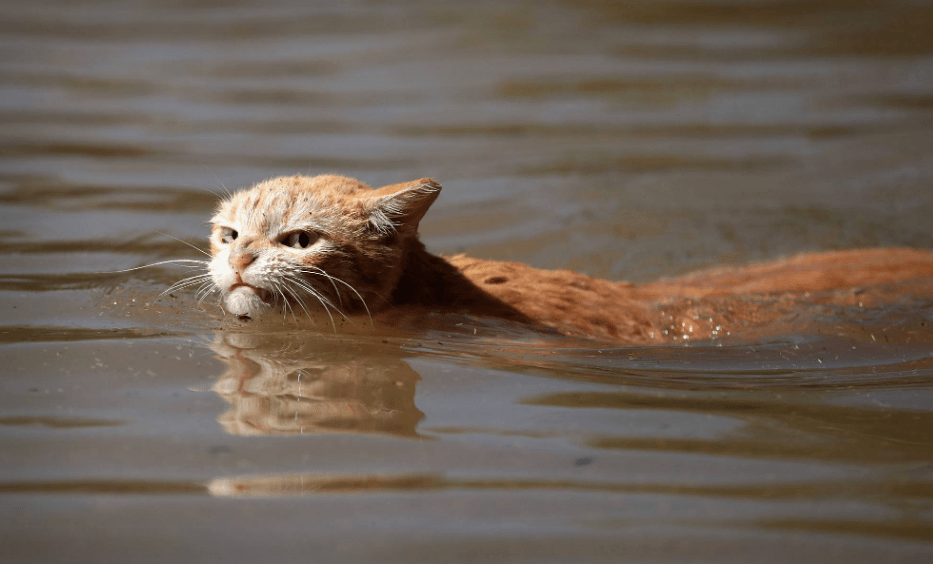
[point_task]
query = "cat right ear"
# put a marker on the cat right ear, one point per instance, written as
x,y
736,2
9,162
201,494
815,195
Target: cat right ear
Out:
x,y
400,207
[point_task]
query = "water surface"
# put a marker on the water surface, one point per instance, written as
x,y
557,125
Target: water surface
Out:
x,y
627,141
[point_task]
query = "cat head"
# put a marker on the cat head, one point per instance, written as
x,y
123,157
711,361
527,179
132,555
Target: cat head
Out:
x,y
302,244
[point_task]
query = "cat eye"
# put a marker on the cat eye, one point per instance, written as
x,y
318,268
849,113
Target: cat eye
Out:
x,y
300,239
228,235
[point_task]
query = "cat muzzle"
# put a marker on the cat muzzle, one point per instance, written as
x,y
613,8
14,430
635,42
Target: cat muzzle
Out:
x,y
246,301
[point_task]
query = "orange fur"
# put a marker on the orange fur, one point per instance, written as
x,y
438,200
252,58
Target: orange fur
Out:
x,y
367,246
706,304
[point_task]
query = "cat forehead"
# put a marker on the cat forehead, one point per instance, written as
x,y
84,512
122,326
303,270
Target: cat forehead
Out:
x,y
291,197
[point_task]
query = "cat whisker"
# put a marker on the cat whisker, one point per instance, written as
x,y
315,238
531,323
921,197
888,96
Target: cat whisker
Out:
x,y
198,249
321,272
277,296
290,308
280,290
205,188
287,306
203,287
324,301
319,298
185,282
229,194
203,295
214,192
206,289
331,279
310,289
202,263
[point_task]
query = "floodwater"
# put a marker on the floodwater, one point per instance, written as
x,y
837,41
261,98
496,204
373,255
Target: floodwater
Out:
x,y
629,140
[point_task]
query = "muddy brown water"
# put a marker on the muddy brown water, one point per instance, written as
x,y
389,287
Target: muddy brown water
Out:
x,y
626,140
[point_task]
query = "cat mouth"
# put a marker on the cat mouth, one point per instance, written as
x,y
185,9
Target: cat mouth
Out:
x,y
261,293
247,301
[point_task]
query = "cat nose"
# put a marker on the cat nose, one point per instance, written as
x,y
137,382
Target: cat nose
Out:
x,y
240,261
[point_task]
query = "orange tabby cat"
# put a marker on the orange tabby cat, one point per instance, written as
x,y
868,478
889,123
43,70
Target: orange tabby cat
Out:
x,y
297,244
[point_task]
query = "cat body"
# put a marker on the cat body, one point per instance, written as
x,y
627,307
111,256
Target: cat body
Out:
x,y
303,244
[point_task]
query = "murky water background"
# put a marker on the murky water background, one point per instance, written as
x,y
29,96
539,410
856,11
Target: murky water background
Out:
x,y
625,140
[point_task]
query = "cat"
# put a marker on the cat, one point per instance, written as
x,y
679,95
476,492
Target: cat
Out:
x,y
296,245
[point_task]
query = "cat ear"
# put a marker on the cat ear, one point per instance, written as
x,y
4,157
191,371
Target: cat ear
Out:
x,y
400,207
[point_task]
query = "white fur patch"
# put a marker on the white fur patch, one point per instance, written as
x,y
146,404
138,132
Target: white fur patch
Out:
x,y
245,301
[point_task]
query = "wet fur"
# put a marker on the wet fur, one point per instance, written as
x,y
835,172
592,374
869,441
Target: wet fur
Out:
x,y
368,260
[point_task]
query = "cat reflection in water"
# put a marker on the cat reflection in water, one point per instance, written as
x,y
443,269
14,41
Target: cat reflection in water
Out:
x,y
298,246
274,387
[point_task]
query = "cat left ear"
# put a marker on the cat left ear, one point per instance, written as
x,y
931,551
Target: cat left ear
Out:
x,y
400,207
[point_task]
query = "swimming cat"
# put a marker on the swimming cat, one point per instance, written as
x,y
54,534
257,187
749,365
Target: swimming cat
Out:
x,y
330,243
